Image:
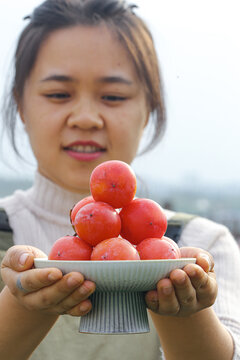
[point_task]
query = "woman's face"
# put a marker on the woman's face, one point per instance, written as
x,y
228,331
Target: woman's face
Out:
x,y
82,104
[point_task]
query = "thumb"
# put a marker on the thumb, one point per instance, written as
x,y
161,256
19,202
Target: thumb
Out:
x,y
21,257
203,257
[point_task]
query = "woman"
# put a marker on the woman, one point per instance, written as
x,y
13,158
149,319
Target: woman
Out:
x,y
86,82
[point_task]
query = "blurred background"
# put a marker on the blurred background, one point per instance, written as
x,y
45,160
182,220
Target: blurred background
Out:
x,y
196,167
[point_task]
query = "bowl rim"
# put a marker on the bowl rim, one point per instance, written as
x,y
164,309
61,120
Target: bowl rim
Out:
x,y
193,260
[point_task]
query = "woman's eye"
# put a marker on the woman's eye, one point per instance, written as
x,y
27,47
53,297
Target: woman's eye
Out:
x,y
113,98
58,96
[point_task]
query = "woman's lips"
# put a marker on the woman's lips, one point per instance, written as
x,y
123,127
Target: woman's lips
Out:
x,y
84,150
84,156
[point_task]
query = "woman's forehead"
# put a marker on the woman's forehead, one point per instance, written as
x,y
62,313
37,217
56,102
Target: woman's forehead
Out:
x,y
81,48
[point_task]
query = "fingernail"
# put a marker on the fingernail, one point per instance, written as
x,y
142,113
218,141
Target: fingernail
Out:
x,y
206,257
71,281
23,258
192,272
167,290
84,291
53,276
181,280
84,307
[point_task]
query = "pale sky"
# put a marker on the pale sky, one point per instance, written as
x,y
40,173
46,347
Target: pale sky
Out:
x,y
199,52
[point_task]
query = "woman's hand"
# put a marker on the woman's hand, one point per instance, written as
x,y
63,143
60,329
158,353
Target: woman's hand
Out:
x,y
186,291
44,290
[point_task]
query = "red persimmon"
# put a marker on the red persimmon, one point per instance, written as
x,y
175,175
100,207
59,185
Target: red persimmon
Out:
x,y
115,249
97,221
113,182
155,248
141,219
79,205
70,248
174,244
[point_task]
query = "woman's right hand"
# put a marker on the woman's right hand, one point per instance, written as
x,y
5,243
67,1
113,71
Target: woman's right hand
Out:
x,y
44,290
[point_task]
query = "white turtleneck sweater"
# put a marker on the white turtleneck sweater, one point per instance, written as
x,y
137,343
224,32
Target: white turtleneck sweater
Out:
x,y
40,215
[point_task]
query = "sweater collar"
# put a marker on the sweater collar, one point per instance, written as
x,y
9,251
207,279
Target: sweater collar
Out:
x,y
52,198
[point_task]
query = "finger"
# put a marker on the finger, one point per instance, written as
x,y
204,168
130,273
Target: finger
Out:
x,y
151,299
204,284
49,297
31,280
19,285
80,309
20,257
163,301
77,297
184,290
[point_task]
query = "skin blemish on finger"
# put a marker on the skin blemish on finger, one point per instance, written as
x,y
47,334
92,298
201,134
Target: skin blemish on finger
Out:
x,y
154,298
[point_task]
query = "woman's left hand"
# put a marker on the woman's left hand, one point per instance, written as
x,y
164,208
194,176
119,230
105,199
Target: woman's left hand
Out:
x,y
187,290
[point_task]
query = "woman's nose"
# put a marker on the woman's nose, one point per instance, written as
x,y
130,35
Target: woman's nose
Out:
x,y
85,116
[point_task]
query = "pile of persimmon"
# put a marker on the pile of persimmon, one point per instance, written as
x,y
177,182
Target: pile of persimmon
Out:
x,y
112,225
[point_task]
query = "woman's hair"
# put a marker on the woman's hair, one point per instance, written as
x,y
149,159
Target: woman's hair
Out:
x,y
120,18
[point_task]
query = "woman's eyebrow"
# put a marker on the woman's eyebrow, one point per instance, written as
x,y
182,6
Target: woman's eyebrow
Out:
x,y
104,79
114,79
61,78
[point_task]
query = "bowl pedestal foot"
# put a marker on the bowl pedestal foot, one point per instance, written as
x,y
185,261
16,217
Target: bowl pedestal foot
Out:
x,y
116,313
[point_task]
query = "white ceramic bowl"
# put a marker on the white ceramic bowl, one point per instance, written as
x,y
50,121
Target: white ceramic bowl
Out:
x,y
134,275
118,304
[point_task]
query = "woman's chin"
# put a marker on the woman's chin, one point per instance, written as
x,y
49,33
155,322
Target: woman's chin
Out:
x,y
79,187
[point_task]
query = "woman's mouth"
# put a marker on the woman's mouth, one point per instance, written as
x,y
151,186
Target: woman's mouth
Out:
x,y
84,152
